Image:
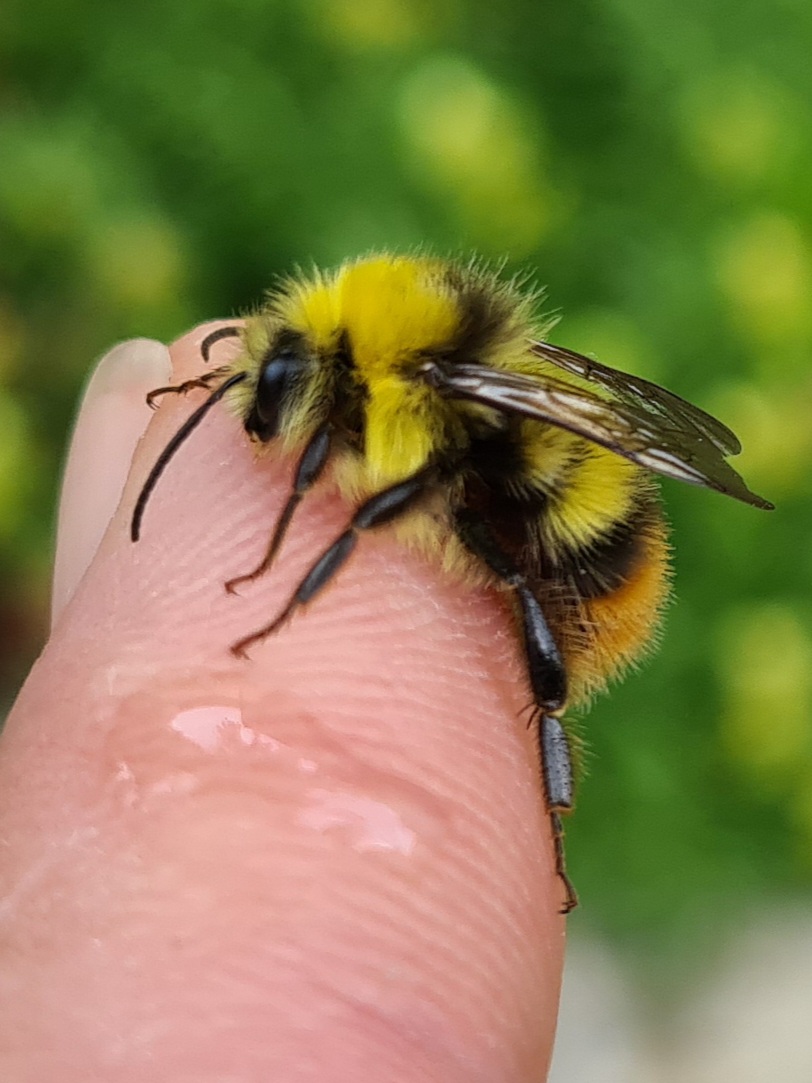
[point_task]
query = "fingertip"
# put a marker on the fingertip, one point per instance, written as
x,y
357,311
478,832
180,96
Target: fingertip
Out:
x,y
111,420
113,416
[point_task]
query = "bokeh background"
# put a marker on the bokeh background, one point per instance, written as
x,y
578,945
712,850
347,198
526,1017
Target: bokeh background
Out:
x,y
650,163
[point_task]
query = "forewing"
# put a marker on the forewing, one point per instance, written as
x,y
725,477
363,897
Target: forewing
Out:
x,y
654,399
663,434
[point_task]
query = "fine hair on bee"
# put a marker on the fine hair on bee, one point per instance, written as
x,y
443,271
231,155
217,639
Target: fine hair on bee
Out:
x,y
414,382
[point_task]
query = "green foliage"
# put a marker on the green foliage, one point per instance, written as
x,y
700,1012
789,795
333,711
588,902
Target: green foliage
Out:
x,y
161,163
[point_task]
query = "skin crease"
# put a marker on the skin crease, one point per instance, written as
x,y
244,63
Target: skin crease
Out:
x,y
329,862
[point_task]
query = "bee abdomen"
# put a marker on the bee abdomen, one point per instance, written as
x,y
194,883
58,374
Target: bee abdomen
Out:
x,y
609,562
617,587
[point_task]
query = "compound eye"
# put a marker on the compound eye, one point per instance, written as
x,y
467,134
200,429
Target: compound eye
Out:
x,y
276,380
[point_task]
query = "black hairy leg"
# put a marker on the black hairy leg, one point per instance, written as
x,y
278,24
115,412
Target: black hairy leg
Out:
x,y
548,681
308,471
378,510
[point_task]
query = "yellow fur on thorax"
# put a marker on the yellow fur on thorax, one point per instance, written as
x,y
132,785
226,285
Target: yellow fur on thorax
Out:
x,y
396,310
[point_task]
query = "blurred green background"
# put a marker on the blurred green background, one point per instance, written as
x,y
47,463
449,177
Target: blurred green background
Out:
x,y
649,162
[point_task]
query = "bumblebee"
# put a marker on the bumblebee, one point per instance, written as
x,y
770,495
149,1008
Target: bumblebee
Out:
x,y
425,390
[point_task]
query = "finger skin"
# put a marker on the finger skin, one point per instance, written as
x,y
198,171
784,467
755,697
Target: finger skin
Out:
x,y
112,420
329,862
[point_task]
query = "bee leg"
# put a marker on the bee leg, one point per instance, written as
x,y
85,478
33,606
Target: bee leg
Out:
x,y
548,680
183,434
204,381
556,762
378,510
308,471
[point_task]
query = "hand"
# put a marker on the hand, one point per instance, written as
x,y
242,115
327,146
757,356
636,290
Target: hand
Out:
x,y
327,862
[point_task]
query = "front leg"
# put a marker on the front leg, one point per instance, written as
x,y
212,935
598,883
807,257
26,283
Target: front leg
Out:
x,y
204,381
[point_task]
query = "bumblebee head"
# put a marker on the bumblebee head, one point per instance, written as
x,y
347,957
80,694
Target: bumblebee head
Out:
x,y
284,373
323,346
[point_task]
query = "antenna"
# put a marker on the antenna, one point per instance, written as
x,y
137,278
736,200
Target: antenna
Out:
x,y
186,429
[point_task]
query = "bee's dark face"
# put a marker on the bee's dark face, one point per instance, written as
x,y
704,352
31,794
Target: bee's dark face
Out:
x,y
282,376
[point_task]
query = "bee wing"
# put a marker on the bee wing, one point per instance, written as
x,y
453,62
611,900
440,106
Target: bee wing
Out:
x,y
640,421
653,398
